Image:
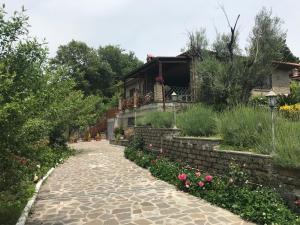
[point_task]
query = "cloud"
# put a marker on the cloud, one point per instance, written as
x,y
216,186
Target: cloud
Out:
x,y
144,26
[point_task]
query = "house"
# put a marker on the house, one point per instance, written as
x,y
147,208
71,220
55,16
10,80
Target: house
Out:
x,y
280,79
144,90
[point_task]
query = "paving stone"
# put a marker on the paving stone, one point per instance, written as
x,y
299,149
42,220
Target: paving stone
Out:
x,y
98,186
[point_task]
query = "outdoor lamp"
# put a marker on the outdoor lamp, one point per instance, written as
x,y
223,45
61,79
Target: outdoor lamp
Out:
x,y
272,102
174,99
271,98
174,96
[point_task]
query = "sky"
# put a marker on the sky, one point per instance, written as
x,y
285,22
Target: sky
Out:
x,y
158,27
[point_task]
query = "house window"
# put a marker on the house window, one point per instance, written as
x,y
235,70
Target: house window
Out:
x,y
130,121
264,83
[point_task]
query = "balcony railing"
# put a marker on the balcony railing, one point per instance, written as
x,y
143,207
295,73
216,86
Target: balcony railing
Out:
x,y
140,100
183,94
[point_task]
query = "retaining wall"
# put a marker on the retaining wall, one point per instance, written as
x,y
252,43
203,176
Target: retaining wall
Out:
x,y
203,153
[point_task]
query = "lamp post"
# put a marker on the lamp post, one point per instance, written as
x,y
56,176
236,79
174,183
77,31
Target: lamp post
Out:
x,y
174,99
134,115
272,103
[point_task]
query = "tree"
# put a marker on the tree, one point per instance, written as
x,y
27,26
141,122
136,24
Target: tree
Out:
x,y
91,74
36,103
225,77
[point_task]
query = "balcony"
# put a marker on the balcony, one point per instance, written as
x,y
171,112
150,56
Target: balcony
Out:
x,y
183,96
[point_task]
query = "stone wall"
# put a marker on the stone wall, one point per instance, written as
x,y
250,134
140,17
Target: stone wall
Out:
x,y
203,153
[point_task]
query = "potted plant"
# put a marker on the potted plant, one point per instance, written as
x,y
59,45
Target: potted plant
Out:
x,y
98,137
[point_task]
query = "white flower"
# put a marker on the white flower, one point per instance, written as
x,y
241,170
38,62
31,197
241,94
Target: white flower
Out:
x,y
35,178
38,166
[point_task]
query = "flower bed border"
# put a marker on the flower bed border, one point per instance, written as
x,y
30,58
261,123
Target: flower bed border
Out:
x,y
23,218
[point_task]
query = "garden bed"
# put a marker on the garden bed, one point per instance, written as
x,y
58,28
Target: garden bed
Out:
x,y
232,191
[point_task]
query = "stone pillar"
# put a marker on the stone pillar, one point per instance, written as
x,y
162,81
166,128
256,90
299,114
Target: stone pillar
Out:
x,y
158,95
120,104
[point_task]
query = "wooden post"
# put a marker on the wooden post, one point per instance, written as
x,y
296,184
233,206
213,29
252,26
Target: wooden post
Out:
x,y
162,85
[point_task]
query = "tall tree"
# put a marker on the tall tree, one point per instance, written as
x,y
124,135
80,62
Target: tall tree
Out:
x,y
121,62
92,75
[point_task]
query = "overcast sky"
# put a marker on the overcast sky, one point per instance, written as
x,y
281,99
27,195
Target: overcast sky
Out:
x,y
153,26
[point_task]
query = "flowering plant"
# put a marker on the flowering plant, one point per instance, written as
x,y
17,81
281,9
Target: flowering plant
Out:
x,y
182,177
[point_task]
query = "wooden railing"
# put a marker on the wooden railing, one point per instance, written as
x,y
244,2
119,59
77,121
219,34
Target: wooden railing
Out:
x,y
137,101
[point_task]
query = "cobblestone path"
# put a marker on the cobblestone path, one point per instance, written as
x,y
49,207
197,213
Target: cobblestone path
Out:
x,y
98,186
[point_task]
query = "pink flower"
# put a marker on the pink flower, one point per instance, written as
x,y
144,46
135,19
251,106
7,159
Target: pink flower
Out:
x,y
208,178
201,184
198,174
150,145
187,184
182,177
297,202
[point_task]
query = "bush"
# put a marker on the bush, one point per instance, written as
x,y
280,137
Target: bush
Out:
x,y
287,143
261,205
198,120
258,101
17,180
290,111
156,119
244,126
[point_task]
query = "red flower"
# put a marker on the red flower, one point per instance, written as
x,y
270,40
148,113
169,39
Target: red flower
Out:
x,y
208,178
201,184
182,177
297,202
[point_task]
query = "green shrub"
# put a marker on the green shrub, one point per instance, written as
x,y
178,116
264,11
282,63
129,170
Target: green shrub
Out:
x,y
244,126
17,178
156,119
258,101
262,205
198,120
136,142
287,143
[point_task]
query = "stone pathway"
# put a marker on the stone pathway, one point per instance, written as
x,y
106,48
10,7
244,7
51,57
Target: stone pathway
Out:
x,y
98,186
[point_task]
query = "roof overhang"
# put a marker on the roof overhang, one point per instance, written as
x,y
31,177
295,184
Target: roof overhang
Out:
x,y
155,60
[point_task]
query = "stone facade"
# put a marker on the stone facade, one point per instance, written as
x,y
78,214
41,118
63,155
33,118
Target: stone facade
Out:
x,y
203,153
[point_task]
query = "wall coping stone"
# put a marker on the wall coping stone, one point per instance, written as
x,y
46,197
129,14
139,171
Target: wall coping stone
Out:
x,y
245,153
199,138
152,128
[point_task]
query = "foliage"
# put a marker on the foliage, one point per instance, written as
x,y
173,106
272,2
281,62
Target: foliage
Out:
x,y
243,126
39,107
83,64
258,101
120,62
249,129
95,71
224,77
287,144
119,131
21,172
156,119
295,91
198,120
261,205
136,142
